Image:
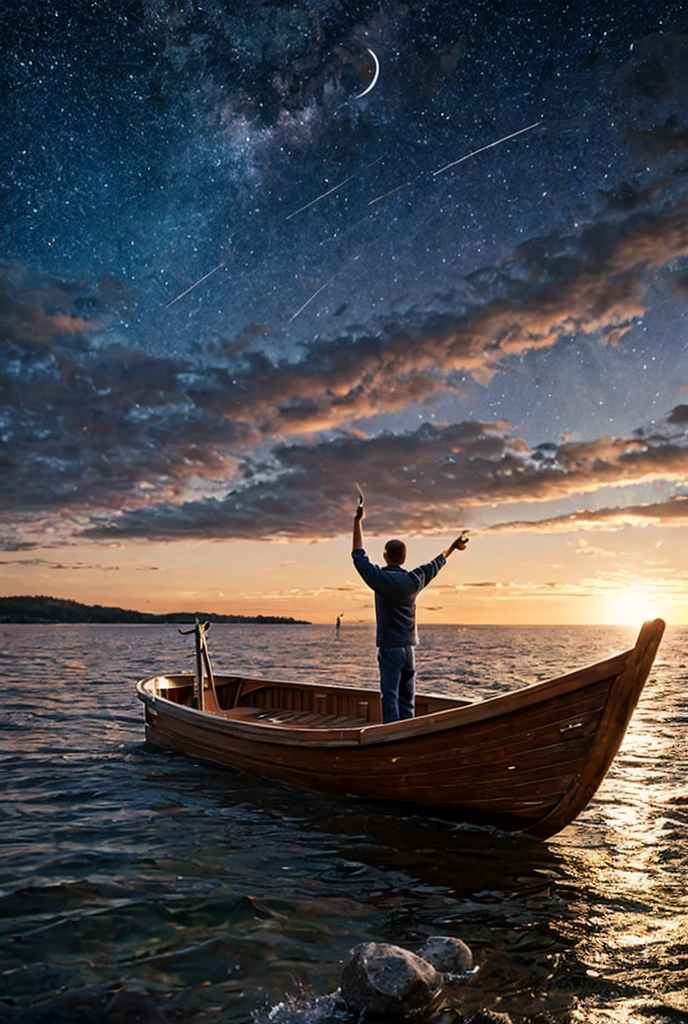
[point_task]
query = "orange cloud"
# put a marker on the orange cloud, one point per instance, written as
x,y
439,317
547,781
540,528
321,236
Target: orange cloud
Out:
x,y
672,513
420,481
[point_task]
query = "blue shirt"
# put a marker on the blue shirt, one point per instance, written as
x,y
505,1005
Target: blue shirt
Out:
x,y
396,590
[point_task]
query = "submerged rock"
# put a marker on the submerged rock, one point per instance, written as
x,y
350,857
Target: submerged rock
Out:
x,y
381,980
447,954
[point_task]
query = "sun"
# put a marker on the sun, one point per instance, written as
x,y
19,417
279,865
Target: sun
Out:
x,y
632,608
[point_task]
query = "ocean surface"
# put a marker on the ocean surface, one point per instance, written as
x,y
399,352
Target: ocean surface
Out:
x,y
141,886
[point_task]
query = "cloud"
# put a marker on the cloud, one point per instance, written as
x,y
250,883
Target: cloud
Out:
x,y
548,289
45,563
35,308
655,73
88,422
678,415
592,550
657,585
670,513
303,490
506,590
423,481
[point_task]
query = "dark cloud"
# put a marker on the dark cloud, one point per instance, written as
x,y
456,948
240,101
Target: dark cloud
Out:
x,y
36,309
88,420
84,421
678,415
306,490
421,482
657,70
679,283
652,98
652,144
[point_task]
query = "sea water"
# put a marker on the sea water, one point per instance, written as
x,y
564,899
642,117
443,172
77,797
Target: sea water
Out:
x,y
140,885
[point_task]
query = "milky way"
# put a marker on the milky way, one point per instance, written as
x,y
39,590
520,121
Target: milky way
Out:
x,y
233,282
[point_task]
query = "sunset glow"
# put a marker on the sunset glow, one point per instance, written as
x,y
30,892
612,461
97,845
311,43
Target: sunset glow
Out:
x,y
632,608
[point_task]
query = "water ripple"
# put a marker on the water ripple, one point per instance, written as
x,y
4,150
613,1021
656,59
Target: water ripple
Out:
x,y
142,884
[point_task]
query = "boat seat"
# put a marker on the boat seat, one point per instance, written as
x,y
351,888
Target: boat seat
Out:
x,y
296,719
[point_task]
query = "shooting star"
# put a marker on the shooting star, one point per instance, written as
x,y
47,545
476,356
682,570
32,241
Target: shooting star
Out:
x,y
195,284
323,286
390,193
313,296
334,188
318,198
376,75
483,148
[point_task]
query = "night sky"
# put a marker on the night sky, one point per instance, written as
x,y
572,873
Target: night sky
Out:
x,y
236,281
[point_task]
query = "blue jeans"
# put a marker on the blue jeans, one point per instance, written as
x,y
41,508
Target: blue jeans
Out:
x,y
397,682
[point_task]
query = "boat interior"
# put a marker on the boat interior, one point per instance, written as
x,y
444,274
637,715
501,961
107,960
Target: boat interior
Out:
x,y
299,705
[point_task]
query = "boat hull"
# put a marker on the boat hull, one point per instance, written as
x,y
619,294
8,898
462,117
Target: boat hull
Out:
x,y
529,760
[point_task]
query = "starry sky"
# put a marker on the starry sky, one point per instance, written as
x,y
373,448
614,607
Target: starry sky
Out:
x,y
254,254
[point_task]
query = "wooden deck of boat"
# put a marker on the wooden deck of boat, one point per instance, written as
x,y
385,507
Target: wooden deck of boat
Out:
x,y
296,719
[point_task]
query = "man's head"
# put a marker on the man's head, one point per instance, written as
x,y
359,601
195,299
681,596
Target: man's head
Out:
x,y
395,552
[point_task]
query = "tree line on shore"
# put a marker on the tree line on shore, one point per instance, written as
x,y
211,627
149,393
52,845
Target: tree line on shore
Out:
x,y
38,609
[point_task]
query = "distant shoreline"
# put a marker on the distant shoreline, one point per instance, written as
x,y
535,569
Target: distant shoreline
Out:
x,y
41,610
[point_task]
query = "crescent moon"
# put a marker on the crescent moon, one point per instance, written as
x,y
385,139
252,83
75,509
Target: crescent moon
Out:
x,y
375,77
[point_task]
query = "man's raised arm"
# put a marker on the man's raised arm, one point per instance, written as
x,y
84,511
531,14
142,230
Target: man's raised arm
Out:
x,y
357,542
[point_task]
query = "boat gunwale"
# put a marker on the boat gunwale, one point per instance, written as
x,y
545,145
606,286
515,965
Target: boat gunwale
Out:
x,y
379,733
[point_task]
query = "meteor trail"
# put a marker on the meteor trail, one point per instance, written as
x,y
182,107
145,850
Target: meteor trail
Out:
x,y
483,148
195,284
391,192
334,188
318,198
313,296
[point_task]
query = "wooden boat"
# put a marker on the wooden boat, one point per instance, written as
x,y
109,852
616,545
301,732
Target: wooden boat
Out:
x,y
529,760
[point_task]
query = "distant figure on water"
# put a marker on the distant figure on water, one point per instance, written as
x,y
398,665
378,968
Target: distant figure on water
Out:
x,y
338,626
396,590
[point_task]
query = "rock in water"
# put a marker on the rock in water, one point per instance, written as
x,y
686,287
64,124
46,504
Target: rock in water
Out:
x,y
381,980
447,954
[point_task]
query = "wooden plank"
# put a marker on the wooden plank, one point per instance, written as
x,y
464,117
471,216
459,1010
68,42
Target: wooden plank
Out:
x,y
617,714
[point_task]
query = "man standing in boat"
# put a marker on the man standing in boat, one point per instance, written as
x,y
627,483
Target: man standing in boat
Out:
x,y
396,590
